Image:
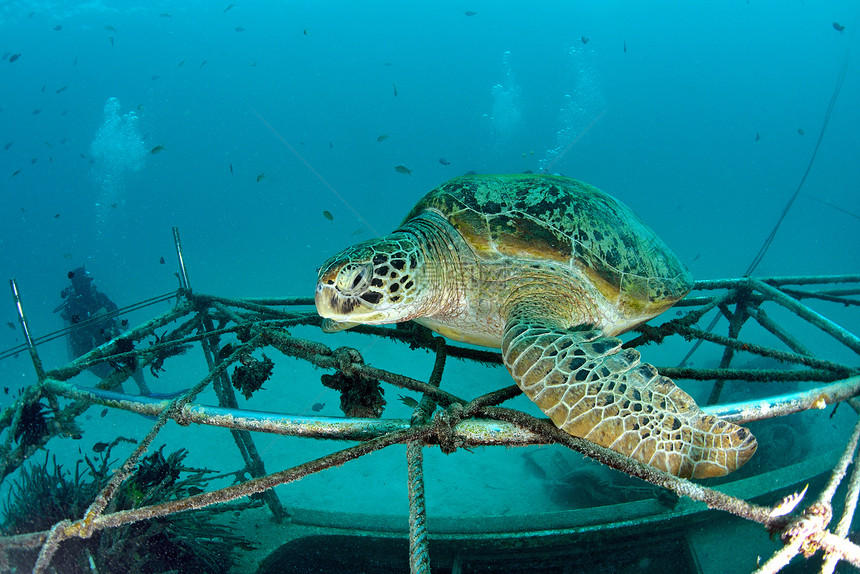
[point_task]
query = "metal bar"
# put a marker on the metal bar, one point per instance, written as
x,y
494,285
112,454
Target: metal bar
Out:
x,y
708,284
34,355
479,432
839,333
183,274
736,321
844,524
419,556
774,328
242,438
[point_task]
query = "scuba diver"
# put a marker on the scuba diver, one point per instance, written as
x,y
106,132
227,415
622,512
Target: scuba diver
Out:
x,y
86,304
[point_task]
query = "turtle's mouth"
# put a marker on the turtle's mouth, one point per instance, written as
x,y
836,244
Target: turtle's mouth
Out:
x,y
347,292
332,304
374,282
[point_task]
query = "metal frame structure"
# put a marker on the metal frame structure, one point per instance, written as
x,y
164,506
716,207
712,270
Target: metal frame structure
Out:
x,y
443,419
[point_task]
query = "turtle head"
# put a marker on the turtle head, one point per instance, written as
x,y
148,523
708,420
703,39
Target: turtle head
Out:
x,y
374,282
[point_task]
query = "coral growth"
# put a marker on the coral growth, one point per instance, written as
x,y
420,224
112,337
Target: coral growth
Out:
x,y
45,494
250,376
359,397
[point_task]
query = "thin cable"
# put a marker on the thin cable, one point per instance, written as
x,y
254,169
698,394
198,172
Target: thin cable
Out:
x,y
761,252
71,328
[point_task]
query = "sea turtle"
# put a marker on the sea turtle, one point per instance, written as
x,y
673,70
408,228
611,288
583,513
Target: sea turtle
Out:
x,y
549,270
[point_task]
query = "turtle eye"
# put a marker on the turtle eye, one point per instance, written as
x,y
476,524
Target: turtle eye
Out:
x,y
354,279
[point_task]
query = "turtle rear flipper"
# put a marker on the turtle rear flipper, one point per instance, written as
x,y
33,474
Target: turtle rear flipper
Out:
x,y
592,388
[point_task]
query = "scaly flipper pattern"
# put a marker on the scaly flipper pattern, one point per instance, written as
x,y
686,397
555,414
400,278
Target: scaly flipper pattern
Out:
x,y
592,388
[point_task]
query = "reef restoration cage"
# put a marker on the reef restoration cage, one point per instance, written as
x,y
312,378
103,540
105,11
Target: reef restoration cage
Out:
x,y
778,313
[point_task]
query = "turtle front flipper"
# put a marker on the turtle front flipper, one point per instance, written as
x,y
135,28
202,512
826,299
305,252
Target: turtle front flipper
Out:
x,y
592,388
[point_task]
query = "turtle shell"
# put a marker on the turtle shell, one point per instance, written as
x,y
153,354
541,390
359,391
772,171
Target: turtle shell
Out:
x,y
554,219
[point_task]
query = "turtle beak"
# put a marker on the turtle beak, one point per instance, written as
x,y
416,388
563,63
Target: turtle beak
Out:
x,y
331,304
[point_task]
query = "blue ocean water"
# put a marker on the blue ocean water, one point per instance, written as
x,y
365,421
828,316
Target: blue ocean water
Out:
x,y
241,124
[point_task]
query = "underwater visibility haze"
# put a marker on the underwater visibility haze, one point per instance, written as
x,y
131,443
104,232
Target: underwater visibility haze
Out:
x,y
275,134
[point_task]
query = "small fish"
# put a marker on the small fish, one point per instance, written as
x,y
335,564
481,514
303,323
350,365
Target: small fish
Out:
x,y
165,15
14,57
37,111
114,205
180,64
33,160
328,215
470,13
8,145
317,407
787,504
228,7
110,28
800,131
16,172
5,390
203,63
67,255
225,351
56,216
70,274
157,149
261,177
357,232
104,413
111,43
403,169
43,88
305,31
154,76
395,89
381,138
408,401
61,89
239,29
100,446
625,46
193,490
838,27
124,322
444,161
58,27
10,324
757,137
161,260
584,39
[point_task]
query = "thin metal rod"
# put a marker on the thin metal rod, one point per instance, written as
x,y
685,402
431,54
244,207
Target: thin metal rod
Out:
x,y
844,524
183,273
836,331
34,355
